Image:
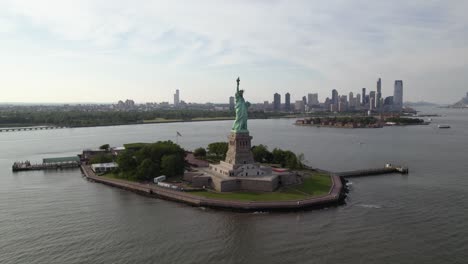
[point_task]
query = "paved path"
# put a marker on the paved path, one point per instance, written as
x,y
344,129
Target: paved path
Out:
x,y
332,198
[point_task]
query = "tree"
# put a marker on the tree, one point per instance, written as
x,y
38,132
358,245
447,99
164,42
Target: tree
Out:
x,y
105,147
101,158
218,149
261,154
199,152
126,161
147,170
172,165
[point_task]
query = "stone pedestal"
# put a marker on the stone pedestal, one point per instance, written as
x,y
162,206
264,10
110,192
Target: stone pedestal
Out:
x,y
239,149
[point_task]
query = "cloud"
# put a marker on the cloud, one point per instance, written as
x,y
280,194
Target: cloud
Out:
x,y
341,44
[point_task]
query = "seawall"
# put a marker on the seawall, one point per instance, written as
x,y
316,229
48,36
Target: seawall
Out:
x,y
335,196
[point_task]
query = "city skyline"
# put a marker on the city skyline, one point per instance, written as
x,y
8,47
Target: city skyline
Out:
x,y
88,51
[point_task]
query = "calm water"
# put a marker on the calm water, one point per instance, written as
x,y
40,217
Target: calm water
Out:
x,y
58,217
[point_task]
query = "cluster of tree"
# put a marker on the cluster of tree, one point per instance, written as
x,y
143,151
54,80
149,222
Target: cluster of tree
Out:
x,y
152,160
405,120
101,158
101,118
285,158
216,151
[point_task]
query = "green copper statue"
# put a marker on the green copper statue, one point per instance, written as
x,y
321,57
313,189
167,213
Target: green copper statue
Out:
x,y
240,125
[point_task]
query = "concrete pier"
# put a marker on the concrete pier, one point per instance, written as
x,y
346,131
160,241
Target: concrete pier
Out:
x,y
16,129
369,172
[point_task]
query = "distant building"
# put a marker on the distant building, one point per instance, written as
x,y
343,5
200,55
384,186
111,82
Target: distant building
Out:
x,y
300,106
312,99
372,100
176,98
266,105
379,94
363,96
334,98
358,100
287,102
276,102
398,95
343,104
304,99
388,101
351,99
231,103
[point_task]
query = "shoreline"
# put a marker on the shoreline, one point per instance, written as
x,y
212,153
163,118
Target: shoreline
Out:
x,y
142,123
335,196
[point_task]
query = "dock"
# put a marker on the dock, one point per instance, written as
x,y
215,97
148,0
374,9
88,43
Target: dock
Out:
x,y
16,129
377,171
48,164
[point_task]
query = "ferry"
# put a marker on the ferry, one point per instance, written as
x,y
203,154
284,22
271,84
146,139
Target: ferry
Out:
x,y
444,126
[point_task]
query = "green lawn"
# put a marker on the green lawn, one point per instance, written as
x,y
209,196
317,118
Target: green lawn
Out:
x,y
314,184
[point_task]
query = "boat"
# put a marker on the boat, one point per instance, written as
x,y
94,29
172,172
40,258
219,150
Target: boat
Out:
x,y
444,126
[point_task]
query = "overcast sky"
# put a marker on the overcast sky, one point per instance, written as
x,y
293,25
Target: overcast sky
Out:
x,y
107,50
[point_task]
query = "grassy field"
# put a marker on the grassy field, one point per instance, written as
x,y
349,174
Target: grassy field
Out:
x,y
315,184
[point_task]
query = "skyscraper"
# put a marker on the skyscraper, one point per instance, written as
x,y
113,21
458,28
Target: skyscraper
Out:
x,y
372,100
287,102
379,94
304,99
300,106
358,101
335,98
351,99
398,95
363,96
276,102
312,99
176,98
231,103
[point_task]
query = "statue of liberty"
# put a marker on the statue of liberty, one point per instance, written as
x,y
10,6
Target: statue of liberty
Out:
x,y
240,125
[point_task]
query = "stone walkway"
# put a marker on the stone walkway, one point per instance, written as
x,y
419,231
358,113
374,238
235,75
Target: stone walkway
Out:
x,y
332,198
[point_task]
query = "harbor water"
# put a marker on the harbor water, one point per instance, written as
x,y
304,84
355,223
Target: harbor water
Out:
x,y
57,216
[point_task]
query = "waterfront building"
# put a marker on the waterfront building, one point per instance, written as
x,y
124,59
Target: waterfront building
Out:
x,y
231,103
351,99
299,106
287,102
276,102
304,99
398,95
176,98
379,94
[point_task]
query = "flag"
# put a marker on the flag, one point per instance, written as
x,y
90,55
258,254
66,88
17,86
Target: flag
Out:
x,y
178,134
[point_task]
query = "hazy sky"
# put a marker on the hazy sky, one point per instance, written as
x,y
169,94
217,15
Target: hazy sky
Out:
x,y
106,50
